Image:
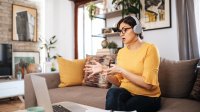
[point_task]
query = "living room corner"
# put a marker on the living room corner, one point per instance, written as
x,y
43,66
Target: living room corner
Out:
x,y
50,20
46,47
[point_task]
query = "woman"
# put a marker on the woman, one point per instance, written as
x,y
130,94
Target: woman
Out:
x,y
136,72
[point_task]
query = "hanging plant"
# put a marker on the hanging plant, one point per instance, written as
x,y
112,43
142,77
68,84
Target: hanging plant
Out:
x,y
129,6
91,7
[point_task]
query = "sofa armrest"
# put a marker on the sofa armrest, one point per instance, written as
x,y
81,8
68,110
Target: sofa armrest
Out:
x,y
52,80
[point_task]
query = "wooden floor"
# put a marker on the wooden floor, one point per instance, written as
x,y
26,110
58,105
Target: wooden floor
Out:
x,y
10,105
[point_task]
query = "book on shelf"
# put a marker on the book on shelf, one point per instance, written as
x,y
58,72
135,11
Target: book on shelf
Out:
x,y
103,52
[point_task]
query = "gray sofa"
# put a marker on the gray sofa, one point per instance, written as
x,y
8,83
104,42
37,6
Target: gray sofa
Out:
x,y
175,89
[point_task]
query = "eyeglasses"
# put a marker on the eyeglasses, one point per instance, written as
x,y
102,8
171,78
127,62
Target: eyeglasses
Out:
x,y
123,30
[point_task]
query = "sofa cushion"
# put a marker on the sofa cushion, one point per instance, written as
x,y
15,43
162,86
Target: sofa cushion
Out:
x,y
179,105
86,95
71,72
99,79
177,77
195,94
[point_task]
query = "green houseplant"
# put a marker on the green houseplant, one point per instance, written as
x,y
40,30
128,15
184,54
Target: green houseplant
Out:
x,y
129,6
91,7
113,47
48,45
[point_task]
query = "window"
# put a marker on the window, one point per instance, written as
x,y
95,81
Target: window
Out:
x,y
87,44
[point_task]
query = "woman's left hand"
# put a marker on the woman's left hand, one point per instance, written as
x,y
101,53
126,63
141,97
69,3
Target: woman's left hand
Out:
x,y
114,69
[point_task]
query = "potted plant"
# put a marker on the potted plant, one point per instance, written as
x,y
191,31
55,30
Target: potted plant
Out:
x,y
91,7
48,45
128,6
113,47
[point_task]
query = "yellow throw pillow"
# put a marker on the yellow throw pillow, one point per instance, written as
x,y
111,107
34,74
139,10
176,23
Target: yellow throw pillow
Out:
x,y
71,72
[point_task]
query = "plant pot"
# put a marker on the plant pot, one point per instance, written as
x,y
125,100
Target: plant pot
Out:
x,y
112,51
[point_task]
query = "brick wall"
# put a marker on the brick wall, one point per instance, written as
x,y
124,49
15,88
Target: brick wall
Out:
x,y
6,25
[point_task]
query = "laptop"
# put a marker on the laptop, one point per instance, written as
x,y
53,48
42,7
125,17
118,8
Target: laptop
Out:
x,y
42,95
43,99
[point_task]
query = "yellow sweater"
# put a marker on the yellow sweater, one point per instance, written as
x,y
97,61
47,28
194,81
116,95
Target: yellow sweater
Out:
x,y
143,62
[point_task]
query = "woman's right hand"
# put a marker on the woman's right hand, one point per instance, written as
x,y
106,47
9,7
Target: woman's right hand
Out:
x,y
93,69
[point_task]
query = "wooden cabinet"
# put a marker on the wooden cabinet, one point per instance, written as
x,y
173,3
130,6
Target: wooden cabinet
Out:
x,y
11,88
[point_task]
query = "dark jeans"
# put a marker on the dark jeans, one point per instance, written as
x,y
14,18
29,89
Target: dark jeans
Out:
x,y
120,99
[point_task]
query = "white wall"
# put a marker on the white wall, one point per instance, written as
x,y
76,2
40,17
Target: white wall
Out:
x,y
59,21
165,39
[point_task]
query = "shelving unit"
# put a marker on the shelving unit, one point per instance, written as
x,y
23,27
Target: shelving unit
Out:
x,y
107,34
108,16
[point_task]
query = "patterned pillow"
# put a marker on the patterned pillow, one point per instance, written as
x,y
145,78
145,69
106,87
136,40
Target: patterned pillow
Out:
x,y
98,80
195,94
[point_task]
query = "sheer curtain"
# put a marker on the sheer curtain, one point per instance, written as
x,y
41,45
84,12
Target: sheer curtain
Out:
x,y
197,17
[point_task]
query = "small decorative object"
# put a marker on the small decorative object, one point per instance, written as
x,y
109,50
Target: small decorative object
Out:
x,y
53,68
106,30
34,68
104,43
91,7
19,75
24,23
48,45
128,6
115,29
113,47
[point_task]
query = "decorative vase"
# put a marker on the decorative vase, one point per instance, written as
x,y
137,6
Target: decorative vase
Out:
x,y
104,43
34,68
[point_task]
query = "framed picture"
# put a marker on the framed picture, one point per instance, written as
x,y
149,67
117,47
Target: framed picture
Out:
x,y
21,60
24,23
155,14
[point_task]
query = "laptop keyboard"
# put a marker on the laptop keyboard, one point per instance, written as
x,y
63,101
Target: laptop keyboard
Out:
x,y
60,108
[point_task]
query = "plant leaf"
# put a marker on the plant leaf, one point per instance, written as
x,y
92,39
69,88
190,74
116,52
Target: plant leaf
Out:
x,y
46,46
53,37
126,11
120,3
140,5
40,39
52,47
53,42
113,1
133,10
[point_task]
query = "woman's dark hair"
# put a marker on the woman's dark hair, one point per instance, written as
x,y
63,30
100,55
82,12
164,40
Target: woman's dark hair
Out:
x,y
130,21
